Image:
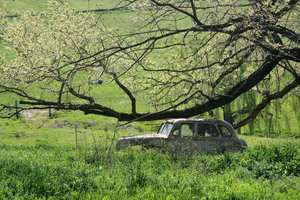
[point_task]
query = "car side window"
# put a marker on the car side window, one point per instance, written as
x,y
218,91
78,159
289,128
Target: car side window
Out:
x,y
184,130
225,132
187,129
207,130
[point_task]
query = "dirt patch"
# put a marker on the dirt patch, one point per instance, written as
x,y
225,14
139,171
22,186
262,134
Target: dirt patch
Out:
x,y
33,114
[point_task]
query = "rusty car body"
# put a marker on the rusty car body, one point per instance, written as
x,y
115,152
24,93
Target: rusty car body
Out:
x,y
189,136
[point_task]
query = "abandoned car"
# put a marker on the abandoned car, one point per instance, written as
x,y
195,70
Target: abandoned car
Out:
x,y
189,136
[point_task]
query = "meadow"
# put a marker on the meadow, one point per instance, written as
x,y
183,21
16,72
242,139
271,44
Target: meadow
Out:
x,y
51,158
72,156
50,171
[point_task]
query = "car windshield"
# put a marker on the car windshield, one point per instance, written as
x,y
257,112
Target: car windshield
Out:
x,y
165,128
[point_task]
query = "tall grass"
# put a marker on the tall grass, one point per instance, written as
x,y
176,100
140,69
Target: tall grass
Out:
x,y
262,172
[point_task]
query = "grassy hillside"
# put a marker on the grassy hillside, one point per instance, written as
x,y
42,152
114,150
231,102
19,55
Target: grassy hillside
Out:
x,y
281,118
14,6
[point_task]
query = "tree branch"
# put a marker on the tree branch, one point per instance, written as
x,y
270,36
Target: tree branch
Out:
x,y
233,93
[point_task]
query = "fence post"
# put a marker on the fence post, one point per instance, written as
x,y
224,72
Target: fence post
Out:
x,y
17,110
50,111
76,135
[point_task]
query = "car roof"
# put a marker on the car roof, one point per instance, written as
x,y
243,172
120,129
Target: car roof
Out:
x,y
194,120
211,121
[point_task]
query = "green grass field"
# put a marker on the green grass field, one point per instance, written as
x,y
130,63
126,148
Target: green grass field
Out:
x,y
72,156
59,171
72,159
14,6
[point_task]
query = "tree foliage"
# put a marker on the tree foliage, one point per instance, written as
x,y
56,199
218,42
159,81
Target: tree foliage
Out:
x,y
185,57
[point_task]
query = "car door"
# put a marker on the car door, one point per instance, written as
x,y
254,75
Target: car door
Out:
x,y
229,143
208,138
182,138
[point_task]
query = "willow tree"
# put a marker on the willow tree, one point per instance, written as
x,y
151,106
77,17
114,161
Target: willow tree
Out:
x,y
185,57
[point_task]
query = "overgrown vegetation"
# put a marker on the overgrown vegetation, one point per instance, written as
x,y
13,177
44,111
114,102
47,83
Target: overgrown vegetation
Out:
x,y
262,172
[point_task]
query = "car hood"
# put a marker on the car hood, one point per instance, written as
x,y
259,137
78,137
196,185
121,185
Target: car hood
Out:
x,y
137,140
153,135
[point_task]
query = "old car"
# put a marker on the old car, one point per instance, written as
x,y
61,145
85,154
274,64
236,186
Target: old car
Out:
x,y
189,136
